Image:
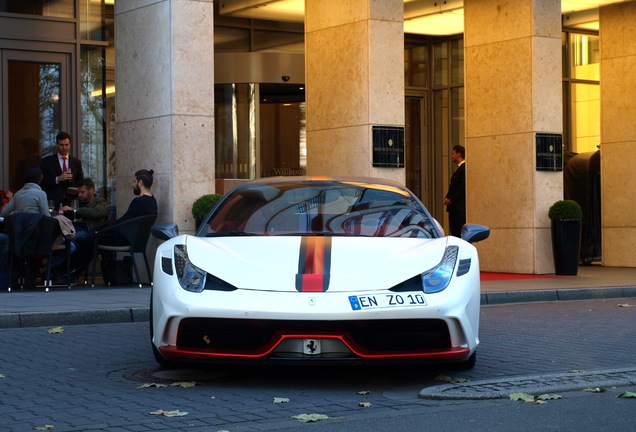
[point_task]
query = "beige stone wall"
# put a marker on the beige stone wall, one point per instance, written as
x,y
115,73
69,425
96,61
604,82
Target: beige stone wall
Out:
x,y
354,67
618,134
165,102
513,91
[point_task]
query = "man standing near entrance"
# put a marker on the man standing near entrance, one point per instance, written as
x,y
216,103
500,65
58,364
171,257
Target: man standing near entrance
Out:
x,y
61,171
455,200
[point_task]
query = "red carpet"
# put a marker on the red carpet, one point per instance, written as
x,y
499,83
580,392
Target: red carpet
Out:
x,y
490,276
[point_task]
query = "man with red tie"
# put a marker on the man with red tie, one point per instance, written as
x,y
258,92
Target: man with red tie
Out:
x,y
61,171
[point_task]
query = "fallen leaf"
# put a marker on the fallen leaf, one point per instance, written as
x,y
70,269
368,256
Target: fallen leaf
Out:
x,y
595,390
278,400
540,402
627,394
43,428
175,413
364,404
184,384
532,398
450,379
545,397
522,397
364,392
625,305
152,385
306,418
55,330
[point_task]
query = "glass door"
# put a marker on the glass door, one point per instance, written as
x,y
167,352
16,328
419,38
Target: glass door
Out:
x,y
283,147
419,167
35,104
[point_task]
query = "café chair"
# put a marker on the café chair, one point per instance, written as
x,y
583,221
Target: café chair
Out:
x,y
32,235
134,233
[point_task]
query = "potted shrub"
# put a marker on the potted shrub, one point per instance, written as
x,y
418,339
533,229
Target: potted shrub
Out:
x,y
202,207
565,216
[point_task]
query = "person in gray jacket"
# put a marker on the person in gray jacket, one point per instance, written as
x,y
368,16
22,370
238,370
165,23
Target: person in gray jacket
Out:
x,y
31,198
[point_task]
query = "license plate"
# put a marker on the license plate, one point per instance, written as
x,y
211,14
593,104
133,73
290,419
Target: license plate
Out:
x,y
361,302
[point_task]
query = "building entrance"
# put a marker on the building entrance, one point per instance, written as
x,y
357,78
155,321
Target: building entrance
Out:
x,y
34,110
260,130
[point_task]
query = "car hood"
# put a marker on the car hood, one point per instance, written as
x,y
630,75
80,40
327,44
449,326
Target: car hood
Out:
x,y
295,263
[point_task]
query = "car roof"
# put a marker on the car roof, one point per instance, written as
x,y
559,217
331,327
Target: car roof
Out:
x,y
320,179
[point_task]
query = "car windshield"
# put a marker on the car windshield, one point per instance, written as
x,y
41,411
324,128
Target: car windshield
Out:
x,y
320,208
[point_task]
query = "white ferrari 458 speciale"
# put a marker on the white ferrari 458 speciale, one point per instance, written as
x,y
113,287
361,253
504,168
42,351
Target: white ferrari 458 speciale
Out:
x,y
317,269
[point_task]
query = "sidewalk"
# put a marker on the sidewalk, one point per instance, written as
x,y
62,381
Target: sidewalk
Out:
x,y
102,304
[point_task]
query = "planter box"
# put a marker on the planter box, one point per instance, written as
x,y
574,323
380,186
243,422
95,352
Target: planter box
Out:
x,y
566,246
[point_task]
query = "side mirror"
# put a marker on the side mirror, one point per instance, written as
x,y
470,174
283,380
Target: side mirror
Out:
x,y
472,233
164,231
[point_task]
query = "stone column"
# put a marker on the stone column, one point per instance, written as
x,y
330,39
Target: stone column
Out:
x,y
165,102
618,134
513,91
354,68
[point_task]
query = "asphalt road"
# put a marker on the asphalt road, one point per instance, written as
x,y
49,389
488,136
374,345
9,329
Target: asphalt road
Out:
x,y
90,378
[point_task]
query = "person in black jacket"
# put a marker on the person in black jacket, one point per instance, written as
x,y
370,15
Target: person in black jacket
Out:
x,y
61,171
455,200
144,204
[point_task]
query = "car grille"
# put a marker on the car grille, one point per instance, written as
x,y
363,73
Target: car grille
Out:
x,y
372,335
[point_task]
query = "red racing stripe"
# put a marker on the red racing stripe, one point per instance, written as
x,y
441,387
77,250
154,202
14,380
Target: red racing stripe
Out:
x,y
314,264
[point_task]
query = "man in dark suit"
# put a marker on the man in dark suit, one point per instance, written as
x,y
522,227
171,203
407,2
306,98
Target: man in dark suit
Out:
x,y
61,171
455,200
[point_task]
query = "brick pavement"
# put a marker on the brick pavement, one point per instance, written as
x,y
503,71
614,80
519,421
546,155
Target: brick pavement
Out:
x,y
77,380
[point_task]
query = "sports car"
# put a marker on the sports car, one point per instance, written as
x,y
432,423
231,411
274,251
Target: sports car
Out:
x,y
317,268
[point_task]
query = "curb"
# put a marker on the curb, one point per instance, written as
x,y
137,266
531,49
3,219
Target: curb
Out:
x,y
532,384
493,298
100,316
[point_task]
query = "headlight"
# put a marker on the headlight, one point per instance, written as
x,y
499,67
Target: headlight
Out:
x,y
438,278
191,278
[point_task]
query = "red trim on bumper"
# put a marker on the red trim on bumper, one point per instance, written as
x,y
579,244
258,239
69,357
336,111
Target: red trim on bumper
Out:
x,y
356,349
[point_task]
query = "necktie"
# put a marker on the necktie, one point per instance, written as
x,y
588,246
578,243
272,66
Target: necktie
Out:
x,y
64,168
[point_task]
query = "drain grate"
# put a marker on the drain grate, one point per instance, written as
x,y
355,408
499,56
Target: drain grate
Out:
x,y
532,384
147,375
169,376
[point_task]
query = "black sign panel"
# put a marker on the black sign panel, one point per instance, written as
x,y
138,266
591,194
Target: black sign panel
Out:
x,y
549,152
388,146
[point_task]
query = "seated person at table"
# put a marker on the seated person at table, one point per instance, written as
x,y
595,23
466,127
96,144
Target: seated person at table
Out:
x,y
92,210
31,198
93,213
144,204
